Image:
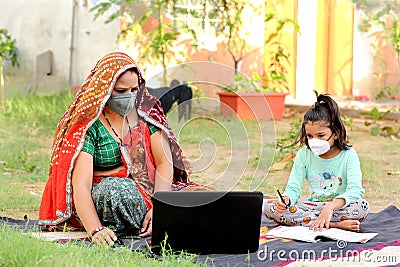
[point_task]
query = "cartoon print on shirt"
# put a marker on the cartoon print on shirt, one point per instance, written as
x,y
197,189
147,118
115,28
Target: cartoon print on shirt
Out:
x,y
329,185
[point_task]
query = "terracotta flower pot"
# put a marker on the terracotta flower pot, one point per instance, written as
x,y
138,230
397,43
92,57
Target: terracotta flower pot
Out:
x,y
253,106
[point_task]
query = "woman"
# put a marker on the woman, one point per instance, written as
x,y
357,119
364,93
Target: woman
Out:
x,y
112,149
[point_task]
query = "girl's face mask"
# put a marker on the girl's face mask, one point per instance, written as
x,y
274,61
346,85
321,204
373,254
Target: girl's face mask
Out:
x,y
122,103
318,146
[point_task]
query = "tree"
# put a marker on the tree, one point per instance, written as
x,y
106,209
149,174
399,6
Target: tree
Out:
x,y
233,15
8,51
159,42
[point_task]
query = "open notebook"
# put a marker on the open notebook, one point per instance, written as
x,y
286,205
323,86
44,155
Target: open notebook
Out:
x,y
303,233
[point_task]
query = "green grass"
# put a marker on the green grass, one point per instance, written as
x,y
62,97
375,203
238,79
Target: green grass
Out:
x,y
230,146
19,249
27,125
12,197
377,184
379,165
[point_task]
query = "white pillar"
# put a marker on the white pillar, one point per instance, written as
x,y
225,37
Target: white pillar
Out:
x,y
306,50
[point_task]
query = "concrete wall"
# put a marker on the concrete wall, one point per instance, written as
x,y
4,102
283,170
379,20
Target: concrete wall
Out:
x,y
42,25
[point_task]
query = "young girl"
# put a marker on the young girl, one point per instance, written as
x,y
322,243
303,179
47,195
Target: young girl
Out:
x,y
332,170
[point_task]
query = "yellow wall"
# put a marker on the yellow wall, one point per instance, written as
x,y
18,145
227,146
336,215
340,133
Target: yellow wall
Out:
x,y
334,45
284,9
334,58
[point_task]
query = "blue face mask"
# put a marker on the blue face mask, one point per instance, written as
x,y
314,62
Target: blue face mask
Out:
x,y
122,103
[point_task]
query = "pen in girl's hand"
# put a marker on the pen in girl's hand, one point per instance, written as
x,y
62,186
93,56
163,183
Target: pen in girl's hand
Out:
x,y
283,200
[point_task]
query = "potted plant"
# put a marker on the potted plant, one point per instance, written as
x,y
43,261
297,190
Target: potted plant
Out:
x,y
262,98
251,101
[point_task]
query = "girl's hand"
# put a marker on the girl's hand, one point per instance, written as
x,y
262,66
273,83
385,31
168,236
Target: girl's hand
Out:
x,y
104,237
147,227
323,219
280,207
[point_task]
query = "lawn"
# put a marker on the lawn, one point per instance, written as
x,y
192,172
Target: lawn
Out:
x,y
225,153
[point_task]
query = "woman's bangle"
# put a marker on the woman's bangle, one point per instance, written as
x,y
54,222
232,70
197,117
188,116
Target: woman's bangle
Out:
x,y
98,229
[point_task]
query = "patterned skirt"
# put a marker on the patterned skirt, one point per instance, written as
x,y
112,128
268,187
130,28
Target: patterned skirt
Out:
x,y
120,205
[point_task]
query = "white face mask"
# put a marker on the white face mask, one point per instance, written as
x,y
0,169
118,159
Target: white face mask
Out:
x,y
319,146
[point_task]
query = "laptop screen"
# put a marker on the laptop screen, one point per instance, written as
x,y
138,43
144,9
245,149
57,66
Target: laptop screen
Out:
x,y
206,222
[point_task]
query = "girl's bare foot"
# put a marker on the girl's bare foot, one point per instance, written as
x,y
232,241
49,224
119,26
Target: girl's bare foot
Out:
x,y
351,225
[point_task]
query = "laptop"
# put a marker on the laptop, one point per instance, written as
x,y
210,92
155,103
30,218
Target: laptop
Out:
x,y
206,222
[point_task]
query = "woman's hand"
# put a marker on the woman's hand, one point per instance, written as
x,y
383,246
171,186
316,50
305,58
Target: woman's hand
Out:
x,y
82,177
280,207
104,237
147,227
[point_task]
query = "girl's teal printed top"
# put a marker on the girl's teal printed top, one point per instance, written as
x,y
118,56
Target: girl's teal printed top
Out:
x,y
103,147
338,177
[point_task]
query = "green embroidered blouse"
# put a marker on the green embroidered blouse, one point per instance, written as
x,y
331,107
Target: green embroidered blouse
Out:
x,y
102,146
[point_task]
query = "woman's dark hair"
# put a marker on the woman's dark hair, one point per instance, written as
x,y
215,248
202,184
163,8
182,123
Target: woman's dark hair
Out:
x,y
134,70
325,112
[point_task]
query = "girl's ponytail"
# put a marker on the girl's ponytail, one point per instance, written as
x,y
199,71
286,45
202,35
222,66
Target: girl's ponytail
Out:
x,y
326,111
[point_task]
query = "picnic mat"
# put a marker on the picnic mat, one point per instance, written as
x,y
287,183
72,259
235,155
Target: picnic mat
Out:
x,y
281,252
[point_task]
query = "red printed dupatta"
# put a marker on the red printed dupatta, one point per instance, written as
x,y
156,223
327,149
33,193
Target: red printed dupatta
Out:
x,y
57,204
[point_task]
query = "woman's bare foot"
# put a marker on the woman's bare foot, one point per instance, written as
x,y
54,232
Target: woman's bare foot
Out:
x,y
352,225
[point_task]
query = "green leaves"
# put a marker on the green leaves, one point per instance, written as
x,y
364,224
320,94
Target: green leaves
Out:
x,y
287,143
101,8
375,128
157,44
375,114
8,49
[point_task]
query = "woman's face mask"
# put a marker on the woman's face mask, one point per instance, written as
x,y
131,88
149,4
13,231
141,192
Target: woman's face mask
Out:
x,y
122,103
